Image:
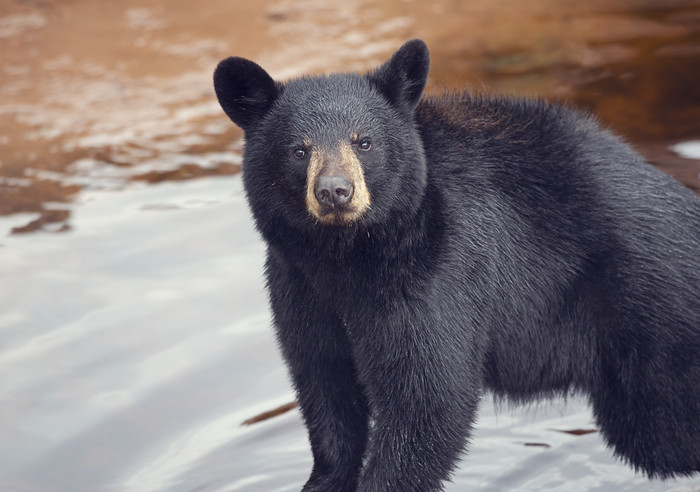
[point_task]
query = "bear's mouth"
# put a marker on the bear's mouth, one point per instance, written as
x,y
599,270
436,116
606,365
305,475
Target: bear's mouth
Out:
x,y
342,216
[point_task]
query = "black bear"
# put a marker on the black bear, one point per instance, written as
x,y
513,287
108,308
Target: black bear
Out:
x,y
422,251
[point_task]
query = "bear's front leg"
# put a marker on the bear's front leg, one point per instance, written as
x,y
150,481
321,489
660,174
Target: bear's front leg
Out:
x,y
315,347
423,380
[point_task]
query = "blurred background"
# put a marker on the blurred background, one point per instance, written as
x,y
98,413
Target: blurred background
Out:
x,y
134,334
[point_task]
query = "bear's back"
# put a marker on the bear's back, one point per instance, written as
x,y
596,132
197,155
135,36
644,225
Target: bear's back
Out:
x,y
549,163
550,194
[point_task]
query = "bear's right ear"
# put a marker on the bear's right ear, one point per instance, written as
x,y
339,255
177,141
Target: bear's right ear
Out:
x,y
245,90
402,79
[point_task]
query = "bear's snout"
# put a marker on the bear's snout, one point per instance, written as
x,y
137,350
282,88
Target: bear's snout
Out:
x,y
333,191
336,192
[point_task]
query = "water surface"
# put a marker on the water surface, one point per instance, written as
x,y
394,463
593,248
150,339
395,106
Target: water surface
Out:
x,y
134,332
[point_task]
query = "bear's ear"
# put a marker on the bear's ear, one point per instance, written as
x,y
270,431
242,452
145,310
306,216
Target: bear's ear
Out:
x,y
245,90
402,79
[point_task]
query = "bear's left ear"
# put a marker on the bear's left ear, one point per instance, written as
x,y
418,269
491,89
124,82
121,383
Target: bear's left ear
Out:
x,y
245,90
402,79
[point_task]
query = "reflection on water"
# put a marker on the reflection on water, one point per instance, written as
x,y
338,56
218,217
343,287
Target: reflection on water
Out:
x,y
127,84
135,347
134,343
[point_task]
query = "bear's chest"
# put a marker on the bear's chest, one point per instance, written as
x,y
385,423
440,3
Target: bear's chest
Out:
x,y
365,290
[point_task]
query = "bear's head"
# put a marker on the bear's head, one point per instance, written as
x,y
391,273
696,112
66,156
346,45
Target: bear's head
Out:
x,y
332,151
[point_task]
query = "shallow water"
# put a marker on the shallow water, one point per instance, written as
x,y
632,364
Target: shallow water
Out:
x,y
134,332
135,346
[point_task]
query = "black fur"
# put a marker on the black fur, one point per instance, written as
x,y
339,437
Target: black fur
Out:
x,y
512,246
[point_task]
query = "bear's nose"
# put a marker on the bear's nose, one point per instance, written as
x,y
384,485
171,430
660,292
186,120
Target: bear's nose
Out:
x,y
333,191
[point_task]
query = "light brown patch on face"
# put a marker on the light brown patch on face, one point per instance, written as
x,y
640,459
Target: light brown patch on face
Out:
x,y
338,161
312,174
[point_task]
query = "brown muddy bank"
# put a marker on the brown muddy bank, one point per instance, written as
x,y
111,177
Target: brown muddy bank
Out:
x,y
98,94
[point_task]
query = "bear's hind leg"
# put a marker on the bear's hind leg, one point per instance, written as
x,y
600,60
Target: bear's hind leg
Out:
x,y
647,400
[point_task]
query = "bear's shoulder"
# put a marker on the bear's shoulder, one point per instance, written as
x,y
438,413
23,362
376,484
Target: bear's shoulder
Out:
x,y
497,117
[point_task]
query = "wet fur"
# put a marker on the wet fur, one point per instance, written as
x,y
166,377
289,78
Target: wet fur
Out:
x,y
512,246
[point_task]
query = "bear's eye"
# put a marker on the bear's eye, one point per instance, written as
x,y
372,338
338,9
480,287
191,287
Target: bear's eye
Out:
x,y
365,144
299,153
